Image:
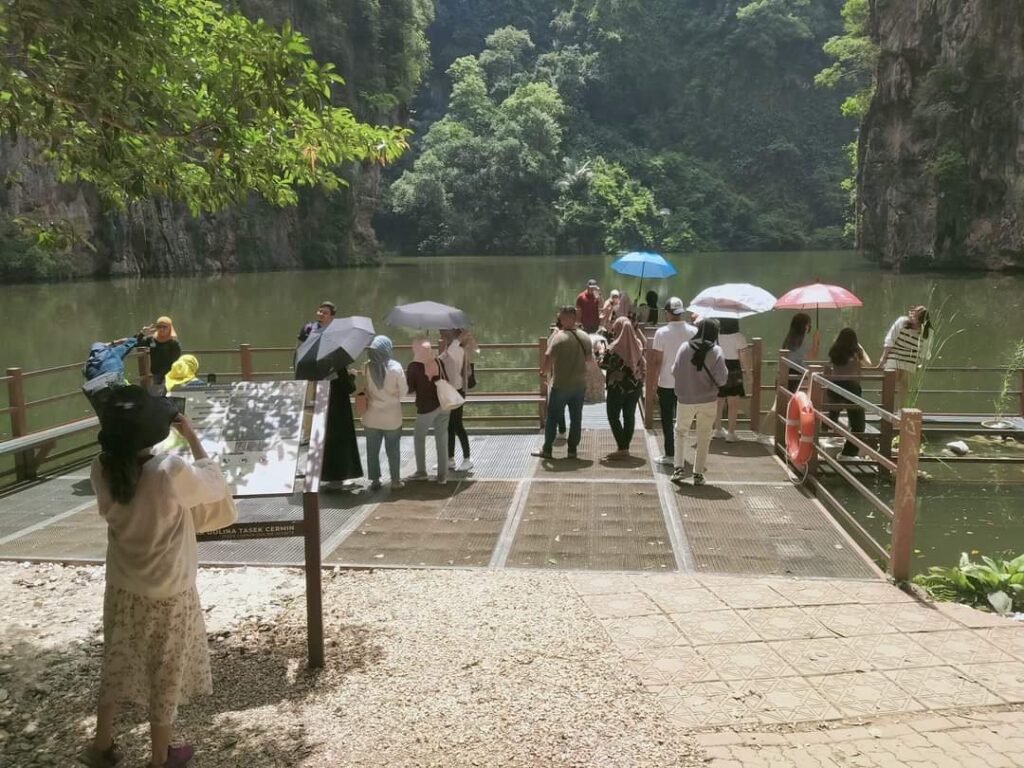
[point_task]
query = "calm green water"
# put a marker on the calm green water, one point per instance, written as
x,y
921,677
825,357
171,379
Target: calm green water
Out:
x,y
514,299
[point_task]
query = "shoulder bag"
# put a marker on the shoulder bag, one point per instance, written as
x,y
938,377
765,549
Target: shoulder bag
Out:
x,y
447,395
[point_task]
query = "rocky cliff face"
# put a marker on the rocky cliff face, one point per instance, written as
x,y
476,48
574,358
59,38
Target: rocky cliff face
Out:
x,y
941,179
156,237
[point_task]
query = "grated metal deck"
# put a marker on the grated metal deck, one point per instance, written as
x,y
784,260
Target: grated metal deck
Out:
x,y
511,511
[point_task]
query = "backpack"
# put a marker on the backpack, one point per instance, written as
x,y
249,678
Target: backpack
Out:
x,y
100,358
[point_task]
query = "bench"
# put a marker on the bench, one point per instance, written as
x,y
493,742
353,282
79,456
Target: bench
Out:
x,y
30,450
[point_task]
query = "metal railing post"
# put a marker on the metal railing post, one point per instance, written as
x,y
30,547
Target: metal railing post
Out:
x,y
781,403
542,407
755,384
650,388
145,373
817,402
245,353
1020,407
888,403
905,509
19,421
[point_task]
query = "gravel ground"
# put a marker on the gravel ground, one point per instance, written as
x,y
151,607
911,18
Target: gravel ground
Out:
x,y
424,668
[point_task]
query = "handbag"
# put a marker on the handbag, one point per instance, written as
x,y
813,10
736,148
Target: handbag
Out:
x,y
447,395
471,379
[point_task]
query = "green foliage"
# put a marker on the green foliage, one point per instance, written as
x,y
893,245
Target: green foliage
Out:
x,y
998,584
30,251
1011,375
696,118
856,56
179,99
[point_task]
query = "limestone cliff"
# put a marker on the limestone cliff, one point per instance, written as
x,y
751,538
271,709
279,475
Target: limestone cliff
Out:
x,y
373,45
941,151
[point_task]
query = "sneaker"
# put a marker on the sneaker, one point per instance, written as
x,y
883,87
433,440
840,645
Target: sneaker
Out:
x,y
93,758
542,454
465,465
442,481
396,484
375,485
698,478
571,454
178,757
718,434
417,475
678,474
667,460
732,437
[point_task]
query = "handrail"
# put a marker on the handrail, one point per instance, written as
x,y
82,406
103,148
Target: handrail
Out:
x,y
902,511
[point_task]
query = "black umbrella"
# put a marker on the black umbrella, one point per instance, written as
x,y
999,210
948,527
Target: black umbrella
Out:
x,y
333,349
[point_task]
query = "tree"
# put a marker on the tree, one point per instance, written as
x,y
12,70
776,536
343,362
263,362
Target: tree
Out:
x,y
176,98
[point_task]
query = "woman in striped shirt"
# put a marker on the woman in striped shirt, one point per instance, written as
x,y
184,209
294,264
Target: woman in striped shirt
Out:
x,y
905,345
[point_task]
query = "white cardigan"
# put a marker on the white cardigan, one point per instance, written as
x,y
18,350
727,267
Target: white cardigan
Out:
x,y
384,404
151,541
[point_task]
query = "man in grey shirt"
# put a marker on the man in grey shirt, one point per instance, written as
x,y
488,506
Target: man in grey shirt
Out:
x,y
566,364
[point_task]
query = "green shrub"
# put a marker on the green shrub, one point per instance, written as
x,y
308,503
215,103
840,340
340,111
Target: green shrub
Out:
x,y
995,583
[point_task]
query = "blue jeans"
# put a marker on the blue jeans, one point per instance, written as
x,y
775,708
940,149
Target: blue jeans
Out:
x,y
558,399
391,439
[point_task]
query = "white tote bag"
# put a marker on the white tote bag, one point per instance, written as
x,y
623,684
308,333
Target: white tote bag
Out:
x,y
447,395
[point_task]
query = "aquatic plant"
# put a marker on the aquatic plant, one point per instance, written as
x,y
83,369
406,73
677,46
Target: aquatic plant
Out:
x,y
998,584
941,320
1014,363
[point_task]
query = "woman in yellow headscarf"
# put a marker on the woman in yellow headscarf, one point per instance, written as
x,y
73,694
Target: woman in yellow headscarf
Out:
x,y
162,342
183,373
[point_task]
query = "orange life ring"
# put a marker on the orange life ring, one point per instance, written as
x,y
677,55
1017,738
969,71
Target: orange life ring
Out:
x,y
799,429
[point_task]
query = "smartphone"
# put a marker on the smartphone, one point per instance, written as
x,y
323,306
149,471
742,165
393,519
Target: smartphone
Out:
x,y
179,404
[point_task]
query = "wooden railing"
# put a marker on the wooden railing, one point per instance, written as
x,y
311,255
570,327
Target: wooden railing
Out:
x,y
908,424
246,363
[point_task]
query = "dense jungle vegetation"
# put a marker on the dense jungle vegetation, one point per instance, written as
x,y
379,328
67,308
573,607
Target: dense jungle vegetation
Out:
x,y
587,125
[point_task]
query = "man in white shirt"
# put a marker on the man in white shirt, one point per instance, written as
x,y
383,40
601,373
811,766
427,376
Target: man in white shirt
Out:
x,y
667,341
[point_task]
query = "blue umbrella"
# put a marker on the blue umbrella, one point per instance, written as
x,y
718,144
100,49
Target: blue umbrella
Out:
x,y
643,264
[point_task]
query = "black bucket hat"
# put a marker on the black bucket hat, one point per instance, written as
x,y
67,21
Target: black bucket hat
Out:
x,y
133,419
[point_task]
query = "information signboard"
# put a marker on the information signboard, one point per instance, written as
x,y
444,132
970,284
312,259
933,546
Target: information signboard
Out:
x,y
252,428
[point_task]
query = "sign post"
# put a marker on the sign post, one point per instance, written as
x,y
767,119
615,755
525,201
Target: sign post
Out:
x,y
254,430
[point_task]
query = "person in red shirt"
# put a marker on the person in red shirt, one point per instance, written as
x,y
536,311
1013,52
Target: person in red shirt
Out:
x,y
588,307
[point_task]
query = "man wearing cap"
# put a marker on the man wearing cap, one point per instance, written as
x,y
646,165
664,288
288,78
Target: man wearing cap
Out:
x,y
588,307
667,341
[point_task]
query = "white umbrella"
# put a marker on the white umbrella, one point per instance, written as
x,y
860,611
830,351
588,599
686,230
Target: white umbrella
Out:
x,y
732,300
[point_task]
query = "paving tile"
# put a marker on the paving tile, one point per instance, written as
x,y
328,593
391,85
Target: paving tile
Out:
x,y
963,646
753,595
852,620
637,633
675,665
875,592
745,661
685,600
1005,680
620,605
915,617
882,652
942,688
704,705
821,656
708,627
815,592
600,583
667,581
1010,640
864,693
972,617
785,700
783,623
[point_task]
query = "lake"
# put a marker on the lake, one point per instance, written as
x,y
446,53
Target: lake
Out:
x,y
979,317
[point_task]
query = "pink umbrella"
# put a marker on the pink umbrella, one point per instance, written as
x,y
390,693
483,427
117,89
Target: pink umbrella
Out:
x,y
816,296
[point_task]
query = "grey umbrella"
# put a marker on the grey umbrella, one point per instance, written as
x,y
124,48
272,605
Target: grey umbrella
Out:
x,y
333,349
427,314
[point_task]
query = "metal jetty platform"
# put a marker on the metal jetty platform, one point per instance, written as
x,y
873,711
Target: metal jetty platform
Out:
x,y
512,511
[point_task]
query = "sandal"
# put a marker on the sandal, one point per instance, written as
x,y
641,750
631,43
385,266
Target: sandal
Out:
x,y
94,758
178,757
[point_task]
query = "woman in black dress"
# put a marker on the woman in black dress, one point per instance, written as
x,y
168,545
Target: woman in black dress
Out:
x,y
341,451
164,350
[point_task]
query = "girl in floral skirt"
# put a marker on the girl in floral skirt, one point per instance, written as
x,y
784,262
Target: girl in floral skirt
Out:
x,y
154,638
